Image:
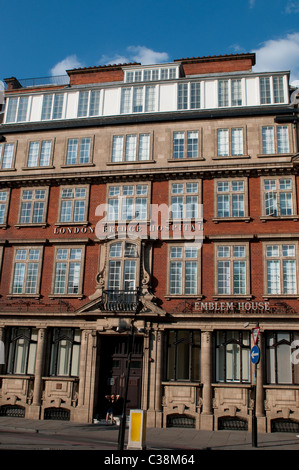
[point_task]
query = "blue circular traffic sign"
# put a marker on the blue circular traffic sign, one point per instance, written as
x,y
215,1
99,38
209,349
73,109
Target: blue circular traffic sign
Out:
x,y
255,354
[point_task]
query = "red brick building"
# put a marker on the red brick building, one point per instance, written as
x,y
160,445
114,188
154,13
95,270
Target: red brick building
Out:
x,y
162,196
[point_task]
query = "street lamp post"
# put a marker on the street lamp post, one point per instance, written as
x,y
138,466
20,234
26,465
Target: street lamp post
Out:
x,y
131,341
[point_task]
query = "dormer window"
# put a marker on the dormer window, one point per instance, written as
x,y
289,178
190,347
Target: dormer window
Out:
x,y
151,74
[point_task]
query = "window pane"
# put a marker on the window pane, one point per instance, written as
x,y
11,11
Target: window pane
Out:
x,y
117,148
222,205
190,277
22,110
283,139
239,275
130,154
178,145
60,278
83,103
236,91
222,142
72,150
265,93
176,271
223,277
144,147
183,96
125,106
273,277
11,109
84,155
94,107
7,156
237,141
284,364
45,153
192,144
268,140
57,108
137,100
150,96
278,89
195,95
47,106
289,277
223,93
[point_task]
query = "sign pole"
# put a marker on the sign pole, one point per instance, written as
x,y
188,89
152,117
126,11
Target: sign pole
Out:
x,y
254,420
255,357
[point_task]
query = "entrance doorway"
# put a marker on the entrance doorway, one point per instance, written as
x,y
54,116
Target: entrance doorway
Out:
x,y
113,372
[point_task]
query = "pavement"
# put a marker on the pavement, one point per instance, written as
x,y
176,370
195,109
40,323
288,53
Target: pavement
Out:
x,y
166,439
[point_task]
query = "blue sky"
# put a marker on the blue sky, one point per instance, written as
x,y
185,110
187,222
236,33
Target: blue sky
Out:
x,y
42,38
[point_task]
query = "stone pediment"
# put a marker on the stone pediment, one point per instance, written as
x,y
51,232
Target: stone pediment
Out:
x,y
98,307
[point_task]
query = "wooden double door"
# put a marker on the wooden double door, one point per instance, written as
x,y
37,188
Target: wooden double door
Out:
x,y
113,372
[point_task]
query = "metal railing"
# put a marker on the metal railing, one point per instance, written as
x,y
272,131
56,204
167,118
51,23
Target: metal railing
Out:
x,y
53,80
120,300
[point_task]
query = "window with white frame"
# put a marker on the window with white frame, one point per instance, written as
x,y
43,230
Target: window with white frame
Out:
x,y
183,270
128,202
272,89
131,147
89,103
123,269
65,352
278,197
151,74
275,140
185,145
33,206
39,153
7,152
4,201
229,93
281,268
73,204
26,271
230,142
17,109
189,95
230,198
138,99
231,269
78,151
68,271
22,350
52,106
185,200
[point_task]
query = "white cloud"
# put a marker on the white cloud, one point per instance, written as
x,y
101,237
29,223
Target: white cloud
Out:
x,y
251,3
141,54
70,62
292,6
147,56
279,55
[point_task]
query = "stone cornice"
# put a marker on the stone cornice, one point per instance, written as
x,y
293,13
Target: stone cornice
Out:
x,y
222,170
217,113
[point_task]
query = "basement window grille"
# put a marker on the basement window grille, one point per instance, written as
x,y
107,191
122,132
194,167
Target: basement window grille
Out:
x,y
12,411
180,421
284,425
59,414
232,424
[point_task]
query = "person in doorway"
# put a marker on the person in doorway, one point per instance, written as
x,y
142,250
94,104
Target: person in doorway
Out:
x,y
111,408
